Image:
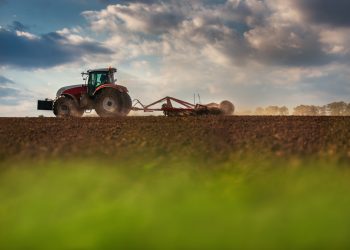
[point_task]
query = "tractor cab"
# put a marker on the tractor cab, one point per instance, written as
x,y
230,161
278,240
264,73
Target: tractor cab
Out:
x,y
98,77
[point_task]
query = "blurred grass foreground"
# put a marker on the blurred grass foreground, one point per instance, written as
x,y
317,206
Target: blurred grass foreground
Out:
x,y
160,205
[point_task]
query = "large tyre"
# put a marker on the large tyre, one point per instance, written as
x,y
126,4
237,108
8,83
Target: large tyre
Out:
x,y
66,107
109,103
127,103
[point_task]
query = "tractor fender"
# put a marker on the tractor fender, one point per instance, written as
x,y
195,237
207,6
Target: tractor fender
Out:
x,y
119,88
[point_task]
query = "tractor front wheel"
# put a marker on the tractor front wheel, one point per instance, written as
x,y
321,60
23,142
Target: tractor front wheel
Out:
x,y
66,107
109,103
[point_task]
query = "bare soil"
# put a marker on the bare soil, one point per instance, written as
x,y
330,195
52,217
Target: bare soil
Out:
x,y
204,137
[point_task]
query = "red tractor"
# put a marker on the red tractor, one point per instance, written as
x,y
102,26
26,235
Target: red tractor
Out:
x,y
100,92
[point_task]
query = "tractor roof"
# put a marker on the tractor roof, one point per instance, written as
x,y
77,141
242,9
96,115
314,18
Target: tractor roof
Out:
x,y
103,70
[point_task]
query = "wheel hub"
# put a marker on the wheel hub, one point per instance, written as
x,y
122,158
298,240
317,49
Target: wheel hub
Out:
x,y
109,104
64,109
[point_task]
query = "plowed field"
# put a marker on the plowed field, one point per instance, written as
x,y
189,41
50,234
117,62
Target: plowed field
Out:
x,y
208,137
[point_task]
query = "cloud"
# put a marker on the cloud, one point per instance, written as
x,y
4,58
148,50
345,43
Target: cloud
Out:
x,y
16,25
16,99
251,50
227,33
290,45
127,1
15,108
4,80
138,17
8,92
334,13
23,49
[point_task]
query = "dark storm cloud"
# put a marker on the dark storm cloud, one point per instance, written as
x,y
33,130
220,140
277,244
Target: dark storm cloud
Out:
x,y
4,80
332,12
45,51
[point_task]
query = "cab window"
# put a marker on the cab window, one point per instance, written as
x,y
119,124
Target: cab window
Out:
x,y
97,79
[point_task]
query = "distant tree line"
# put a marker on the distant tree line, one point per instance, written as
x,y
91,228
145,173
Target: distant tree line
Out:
x,y
331,109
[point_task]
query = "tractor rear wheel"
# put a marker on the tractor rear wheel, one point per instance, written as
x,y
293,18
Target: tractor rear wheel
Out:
x,y
127,103
109,103
66,107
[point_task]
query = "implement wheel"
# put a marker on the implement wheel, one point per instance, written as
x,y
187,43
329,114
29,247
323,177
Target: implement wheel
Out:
x,y
66,107
227,107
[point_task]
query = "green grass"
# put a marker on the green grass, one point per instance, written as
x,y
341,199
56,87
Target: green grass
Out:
x,y
283,204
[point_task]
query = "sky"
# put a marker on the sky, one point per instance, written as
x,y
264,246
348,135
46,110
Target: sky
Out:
x,y
251,52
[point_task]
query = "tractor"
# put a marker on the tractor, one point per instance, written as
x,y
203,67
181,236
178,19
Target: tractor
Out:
x,y
100,92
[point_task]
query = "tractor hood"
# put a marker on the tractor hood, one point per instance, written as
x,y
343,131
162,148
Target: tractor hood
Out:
x,y
61,90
